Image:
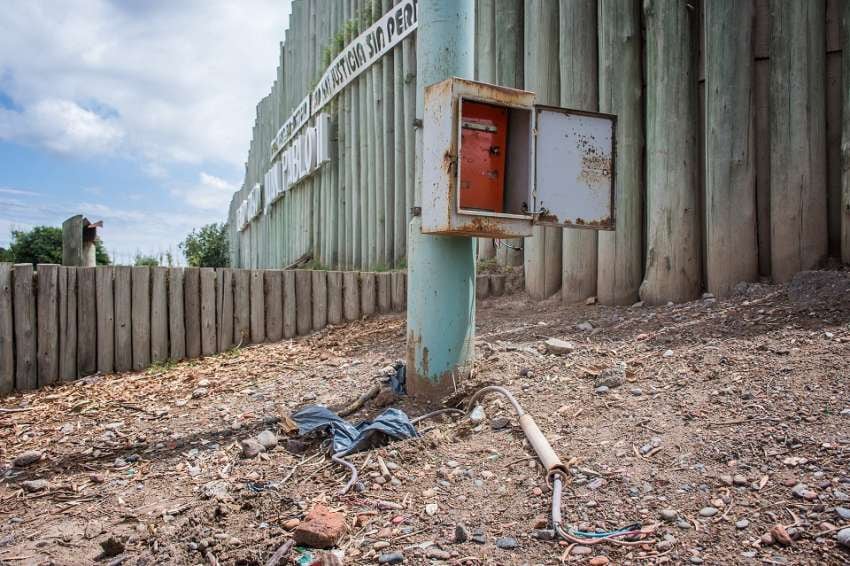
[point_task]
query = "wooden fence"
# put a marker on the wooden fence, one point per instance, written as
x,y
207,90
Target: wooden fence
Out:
x,y
60,323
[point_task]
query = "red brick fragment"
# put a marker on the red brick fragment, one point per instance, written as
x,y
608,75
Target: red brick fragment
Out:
x,y
322,528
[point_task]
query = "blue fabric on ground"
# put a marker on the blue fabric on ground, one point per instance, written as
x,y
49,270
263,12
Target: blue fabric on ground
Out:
x,y
392,424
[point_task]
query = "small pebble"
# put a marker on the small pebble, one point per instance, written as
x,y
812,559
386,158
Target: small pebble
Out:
x,y
601,390
391,558
431,509
843,537
636,391
598,561
506,543
581,551
669,514
708,512
267,439
34,485
461,534
742,524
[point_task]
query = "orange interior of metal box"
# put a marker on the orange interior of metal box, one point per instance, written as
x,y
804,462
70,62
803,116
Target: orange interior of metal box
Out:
x,y
484,129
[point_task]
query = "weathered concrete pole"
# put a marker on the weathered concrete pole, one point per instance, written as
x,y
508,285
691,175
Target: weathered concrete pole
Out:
x,y
441,272
543,248
845,140
579,90
620,265
673,245
798,216
730,184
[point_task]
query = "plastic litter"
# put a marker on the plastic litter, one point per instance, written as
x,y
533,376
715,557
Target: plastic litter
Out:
x,y
392,424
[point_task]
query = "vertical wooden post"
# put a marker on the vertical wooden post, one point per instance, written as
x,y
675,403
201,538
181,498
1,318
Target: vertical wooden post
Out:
x,y
845,139
509,42
620,264
47,303
673,260
274,305
242,307
761,88
258,308
319,290
485,71
351,295
730,199
224,308
192,311
141,312
367,293
68,324
834,121
798,213
543,248
399,292
7,330
86,321
384,292
290,316
335,297
303,301
400,220
209,339
123,318
176,319
25,321
105,319
72,241
159,314
579,89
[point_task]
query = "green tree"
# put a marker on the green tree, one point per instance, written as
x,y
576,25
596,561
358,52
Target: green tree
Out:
x,y
207,247
43,244
145,260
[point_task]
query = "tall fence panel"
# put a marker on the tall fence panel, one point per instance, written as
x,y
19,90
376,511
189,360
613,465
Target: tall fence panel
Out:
x,y
60,323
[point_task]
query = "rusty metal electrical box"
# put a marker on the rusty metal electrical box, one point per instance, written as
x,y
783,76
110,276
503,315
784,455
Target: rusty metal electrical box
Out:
x,y
495,164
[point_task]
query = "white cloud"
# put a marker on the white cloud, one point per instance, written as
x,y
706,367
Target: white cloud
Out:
x,y
61,126
177,81
211,193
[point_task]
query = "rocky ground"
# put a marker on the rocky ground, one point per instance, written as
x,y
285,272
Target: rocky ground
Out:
x,y
721,426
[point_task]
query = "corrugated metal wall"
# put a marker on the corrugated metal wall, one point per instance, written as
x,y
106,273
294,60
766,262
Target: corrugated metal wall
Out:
x,y
354,212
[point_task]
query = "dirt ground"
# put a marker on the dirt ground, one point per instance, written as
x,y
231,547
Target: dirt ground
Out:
x,y
728,405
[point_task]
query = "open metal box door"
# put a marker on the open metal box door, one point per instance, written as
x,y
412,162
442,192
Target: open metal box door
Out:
x,y
573,168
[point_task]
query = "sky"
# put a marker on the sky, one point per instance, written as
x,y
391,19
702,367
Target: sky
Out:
x,y
134,112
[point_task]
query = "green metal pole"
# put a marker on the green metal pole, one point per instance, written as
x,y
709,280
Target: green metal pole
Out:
x,y
441,276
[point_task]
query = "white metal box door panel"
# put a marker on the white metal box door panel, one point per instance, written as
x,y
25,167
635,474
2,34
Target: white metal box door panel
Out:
x,y
574,168
440,147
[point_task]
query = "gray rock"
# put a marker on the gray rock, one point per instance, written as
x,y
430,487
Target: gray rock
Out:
x,y
477,415
34,485
461,534
250,448
595,483
843,512
506,543
683,524
802,491
478,536
27,459
636,391
669,515
742,524
740,480
696,560
845,412
391,558
498,423
843,537
268,439
665,545
581,551
601,390
584,326
199,392
559,347
708,512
